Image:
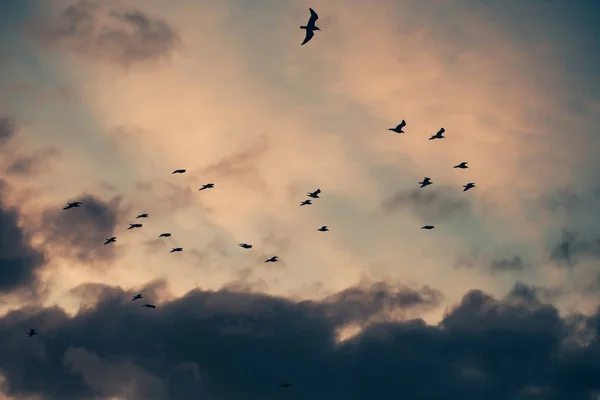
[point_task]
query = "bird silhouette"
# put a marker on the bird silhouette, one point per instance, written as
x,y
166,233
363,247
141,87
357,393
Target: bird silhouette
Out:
x,y
462,165
178,171
428,227
468,186
315,194
74,204
32,332
149,306
245,245
176,249
110,240
137,296
272,259
164,235
323,229
398,129
306,203
131,226
142,216
439,134
426,182
310,26
207,186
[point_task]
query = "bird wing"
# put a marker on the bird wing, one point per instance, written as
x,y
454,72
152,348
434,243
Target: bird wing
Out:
x,y
313,17
309,35
318,191
402,124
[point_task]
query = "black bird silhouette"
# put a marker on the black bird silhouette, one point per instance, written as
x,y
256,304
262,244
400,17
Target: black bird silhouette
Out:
x,y
137,296
286,385
74,204
207,186
131,226
398,129
323,229
164,235
306,203
142,216
310,26
426,182
32,332
110,240
315,194
245,245
468,186
149,306
439,134
462,165
428,227
176,249
178,171
272,259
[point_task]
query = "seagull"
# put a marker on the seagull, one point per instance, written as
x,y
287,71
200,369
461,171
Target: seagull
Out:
x,y
207,186
398,129
306,203
149,306
176,249
468,186
315,194
164,235
286,385
178,171
245,245
131,226
32,332
462,165
323,229
142,216
428,227
439,134
272,259
137,296
74,204
310,26
426,182
110,240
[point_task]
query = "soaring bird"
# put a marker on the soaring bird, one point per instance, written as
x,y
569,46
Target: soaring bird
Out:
x,y
131,226
426,182
439,134
149,306
176,249
286,385
178,171
428,227
110,240
468,186
245,245
32,332
310,26
462,165
74,204
315,194
164,235
207,186
137,296
142,216
272,259
398,129
306,203
323,229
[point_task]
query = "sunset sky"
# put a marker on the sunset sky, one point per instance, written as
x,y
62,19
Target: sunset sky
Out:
x,y
101,100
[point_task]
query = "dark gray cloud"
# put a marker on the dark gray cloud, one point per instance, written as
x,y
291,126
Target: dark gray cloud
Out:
x,y
7,129
430,204
228,345
515,263
492,263
33,163
125,36
572,247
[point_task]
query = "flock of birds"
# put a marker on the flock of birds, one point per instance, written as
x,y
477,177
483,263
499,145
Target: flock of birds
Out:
x,y
310,28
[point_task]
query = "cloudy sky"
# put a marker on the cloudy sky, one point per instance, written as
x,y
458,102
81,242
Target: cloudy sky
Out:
x,y
101,100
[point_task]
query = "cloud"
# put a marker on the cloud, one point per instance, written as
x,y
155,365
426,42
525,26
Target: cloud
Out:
x,y
34,163
515,263
6,129
572,247
430,205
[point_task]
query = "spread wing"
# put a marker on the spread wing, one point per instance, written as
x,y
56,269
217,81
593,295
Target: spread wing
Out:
x,y
318,191
313,17
309,35
402,124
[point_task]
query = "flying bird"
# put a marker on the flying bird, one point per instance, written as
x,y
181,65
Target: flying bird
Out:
x,y
426,182
398,129
142,216
272,259
74,204
310,26
315,194
176,249
110,240
149,306
131,226
207,186
306,203
468,186
164,235
428,227
323,229
32,332
462,165
286,385
439,134
178,171
245,245
137,296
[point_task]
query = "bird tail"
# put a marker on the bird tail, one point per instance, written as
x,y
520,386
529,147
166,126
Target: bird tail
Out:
x,y
303,27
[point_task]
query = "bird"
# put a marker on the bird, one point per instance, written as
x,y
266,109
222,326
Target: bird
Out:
x,y
286,385
323,229
142,216
272,259
315,194
149,306
439,134
131,226
306,203
462,165
310,26
178,171
176,249
468,186
428,227
110,240
74,204
32,332
245,245
137,296
398,129
207,186
164,235
426,182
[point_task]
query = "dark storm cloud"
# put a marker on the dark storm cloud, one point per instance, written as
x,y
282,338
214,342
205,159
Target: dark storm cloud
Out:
x,y
572,247
126,36
431,204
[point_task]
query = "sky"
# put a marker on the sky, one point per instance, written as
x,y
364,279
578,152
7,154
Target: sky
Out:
x,y
101,100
